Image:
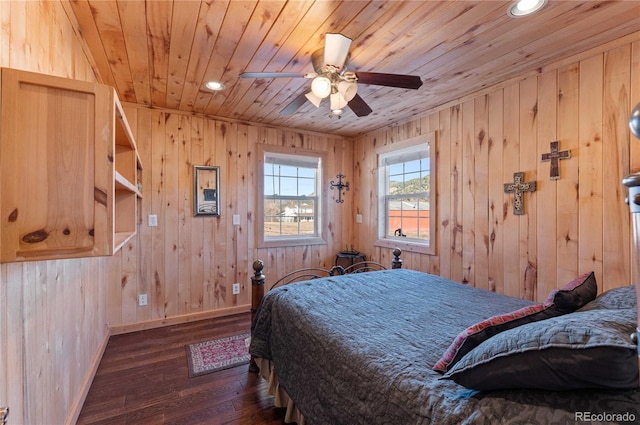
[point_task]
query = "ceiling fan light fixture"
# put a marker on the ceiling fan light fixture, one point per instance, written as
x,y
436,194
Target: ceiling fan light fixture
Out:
x,y
337,102
331,78
321,87
525,7
336,50
311,97
214,85
347,89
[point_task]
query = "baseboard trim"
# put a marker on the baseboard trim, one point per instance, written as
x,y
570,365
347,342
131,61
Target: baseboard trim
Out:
x,y
76,408
176,320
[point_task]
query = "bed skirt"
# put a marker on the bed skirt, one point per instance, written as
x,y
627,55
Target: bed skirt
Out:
x,y
281,398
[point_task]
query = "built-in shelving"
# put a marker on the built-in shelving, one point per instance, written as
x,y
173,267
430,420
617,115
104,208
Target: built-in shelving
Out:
x,y
127,165
69,169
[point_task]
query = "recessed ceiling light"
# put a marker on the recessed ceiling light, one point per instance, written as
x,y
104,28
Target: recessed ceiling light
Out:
x,y
525,7
214,85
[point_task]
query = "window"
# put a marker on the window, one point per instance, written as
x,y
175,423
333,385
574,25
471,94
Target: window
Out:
x,y
291,201
405,197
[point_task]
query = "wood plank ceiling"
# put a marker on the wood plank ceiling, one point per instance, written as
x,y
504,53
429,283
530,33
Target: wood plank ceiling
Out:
x,y
159,53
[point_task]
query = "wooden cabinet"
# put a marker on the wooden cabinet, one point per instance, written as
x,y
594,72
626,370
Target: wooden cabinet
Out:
x,y
68,169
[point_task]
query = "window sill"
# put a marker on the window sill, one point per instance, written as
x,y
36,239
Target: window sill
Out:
x,y
417,248
285,242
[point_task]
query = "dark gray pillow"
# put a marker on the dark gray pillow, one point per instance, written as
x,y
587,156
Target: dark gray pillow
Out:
x,y
587,349
574,294
570,297
616,298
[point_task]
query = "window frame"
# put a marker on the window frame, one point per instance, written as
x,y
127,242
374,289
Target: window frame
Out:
x,y
321,215
403,147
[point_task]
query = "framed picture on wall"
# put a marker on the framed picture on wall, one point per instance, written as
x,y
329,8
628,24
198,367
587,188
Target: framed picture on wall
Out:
x,y
206,190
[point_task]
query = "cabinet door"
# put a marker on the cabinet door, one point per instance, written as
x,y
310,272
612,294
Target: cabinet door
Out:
x,y
56,159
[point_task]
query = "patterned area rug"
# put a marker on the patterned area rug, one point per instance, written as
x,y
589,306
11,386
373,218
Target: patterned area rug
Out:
x,y
218,354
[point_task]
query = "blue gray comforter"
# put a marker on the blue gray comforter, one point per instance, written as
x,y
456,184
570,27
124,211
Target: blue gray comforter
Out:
x,y
359,349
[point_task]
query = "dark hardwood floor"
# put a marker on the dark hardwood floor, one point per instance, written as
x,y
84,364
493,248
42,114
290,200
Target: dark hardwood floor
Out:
x,y
143,378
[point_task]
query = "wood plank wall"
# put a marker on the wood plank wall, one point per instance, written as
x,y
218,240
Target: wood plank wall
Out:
x,y
188,264
576,224
52,313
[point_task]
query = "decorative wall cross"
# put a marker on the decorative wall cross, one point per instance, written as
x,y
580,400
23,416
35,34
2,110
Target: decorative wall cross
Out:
x,y
518,187
340,186
555,156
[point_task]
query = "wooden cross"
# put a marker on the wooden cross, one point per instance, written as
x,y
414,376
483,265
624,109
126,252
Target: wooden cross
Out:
x,y
555,156
517,188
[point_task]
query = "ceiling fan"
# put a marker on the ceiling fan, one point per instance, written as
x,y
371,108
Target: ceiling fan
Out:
x,y
332,80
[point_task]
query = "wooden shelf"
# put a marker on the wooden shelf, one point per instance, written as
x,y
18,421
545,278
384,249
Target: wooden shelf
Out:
x,y
120,239
69,169
124,184
127,164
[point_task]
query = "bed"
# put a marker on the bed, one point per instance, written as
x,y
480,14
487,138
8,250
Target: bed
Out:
x,y
360,348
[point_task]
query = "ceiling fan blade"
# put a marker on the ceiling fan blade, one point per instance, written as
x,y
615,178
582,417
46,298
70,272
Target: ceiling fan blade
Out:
x,y
359,106
271,75
336,49
295,104
390,80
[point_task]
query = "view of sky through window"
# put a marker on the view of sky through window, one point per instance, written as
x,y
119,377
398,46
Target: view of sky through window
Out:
x,y
285,180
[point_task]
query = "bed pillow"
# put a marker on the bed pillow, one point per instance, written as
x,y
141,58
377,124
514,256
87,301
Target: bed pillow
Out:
x,y
615,298
581,350
572,296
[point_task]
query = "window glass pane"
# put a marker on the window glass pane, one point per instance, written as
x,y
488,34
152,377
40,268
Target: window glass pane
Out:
x,y
288,186
408,217
425,164
307,187
286,170
412,166
396,170
272,213
307,172
289,217
425,183
271,185
394,217
412,177
268,169
306,214
412,183
422,208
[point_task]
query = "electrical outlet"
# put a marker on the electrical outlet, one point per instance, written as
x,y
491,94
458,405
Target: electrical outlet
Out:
x,y
358,218
153,220
236,219
142,300
236,288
